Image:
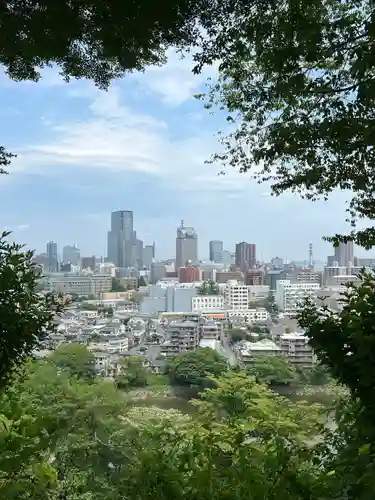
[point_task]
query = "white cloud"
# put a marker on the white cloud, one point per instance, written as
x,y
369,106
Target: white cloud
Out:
x,y
175,81
117,139
22,227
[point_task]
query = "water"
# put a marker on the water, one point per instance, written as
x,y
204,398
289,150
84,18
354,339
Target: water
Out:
x,y
183,404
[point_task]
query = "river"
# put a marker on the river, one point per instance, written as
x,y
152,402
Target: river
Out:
x,y
183,404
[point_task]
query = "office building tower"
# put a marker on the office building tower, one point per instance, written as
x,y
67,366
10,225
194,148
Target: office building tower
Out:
x,y
148,256
53,264
216,251
71,254
186,246
121,238
344,253
228,258
245,255
89,263
137,253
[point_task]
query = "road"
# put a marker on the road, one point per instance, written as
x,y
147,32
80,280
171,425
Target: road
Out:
x,y
232,360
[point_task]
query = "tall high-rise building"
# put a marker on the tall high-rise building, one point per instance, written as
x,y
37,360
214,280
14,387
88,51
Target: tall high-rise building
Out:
x,y
186,246
245,255
71,254
138,253
148,256
121,238
216,251
344,253
53,263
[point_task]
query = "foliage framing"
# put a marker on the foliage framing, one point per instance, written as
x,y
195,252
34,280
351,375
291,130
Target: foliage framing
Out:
x,y
297,79
26,316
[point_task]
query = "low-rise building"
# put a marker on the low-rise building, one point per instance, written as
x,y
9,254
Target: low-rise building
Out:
x,y
247,351
210,330
296,347
94,284
249,315
181,336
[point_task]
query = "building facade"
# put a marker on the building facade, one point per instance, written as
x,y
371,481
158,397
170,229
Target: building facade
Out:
x,y
89,263
148,256
289,296
121,238
80,285
189,274
344,253
207,303
216,248
71,254
52,259
236,296
186,246
245,255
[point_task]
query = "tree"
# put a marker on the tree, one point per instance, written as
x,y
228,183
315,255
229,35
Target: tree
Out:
x,y
237,334
194,368
116,286
58,434
27,317
75,359
344,342
275,370
297,80
209,287
132,373
98,41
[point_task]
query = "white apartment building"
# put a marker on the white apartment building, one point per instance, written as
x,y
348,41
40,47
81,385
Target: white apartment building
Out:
x,y
207,303
249,350
296,347
250,315
112,346
290,295
236,297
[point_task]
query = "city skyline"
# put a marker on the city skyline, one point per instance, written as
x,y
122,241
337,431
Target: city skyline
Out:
x,y
143,145
124,249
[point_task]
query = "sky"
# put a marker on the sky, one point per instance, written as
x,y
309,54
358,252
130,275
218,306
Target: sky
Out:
x,y
141,146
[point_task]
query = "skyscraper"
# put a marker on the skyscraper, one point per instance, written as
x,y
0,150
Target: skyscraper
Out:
x,y
148,255
120,238
71,254
344,253
186,246
53,263
245,255
216,251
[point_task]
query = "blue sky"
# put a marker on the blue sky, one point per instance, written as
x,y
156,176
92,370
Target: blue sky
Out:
x,y
140,146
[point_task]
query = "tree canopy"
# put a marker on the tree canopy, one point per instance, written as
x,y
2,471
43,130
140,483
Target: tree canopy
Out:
x,y
344,343
195,367
272,369
132,373
26,316
95,40
297,80
209,287
76,359
237,334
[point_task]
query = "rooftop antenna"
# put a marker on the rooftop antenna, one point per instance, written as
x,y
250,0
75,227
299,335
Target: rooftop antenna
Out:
x,y
311,261
182,224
